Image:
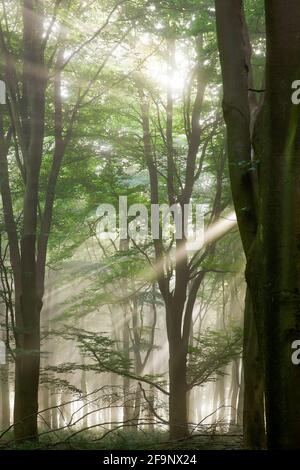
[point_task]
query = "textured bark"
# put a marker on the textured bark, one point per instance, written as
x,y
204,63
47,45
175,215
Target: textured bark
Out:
x,y
280,175
26,86
235,75
273,259
253,412
28,316
233,43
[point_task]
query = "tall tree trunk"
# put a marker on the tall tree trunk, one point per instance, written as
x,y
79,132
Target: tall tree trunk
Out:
x,y
253,413
179,308
27,367
273,253
28,247
234,49
177,390
192,412
152,390
279,151
46,346
127,396
28,298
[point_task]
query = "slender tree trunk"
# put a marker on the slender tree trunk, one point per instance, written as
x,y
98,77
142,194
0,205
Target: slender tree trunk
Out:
x,y
85,410
137,407
45,403
5,401
114,417
152,391
240,406
234,391
219,398
45,391
178,311
54,411
67,409
128,401
151,416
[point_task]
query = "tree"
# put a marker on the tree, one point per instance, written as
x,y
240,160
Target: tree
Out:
x,y
186,270
29,66
236,70
266,199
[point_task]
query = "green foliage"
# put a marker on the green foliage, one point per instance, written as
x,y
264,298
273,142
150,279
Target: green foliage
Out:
x,y
211,352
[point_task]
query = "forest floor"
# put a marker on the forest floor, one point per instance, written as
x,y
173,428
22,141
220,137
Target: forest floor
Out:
x,y
132,441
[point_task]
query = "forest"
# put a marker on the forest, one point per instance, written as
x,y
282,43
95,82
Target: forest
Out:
x,y
149,225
